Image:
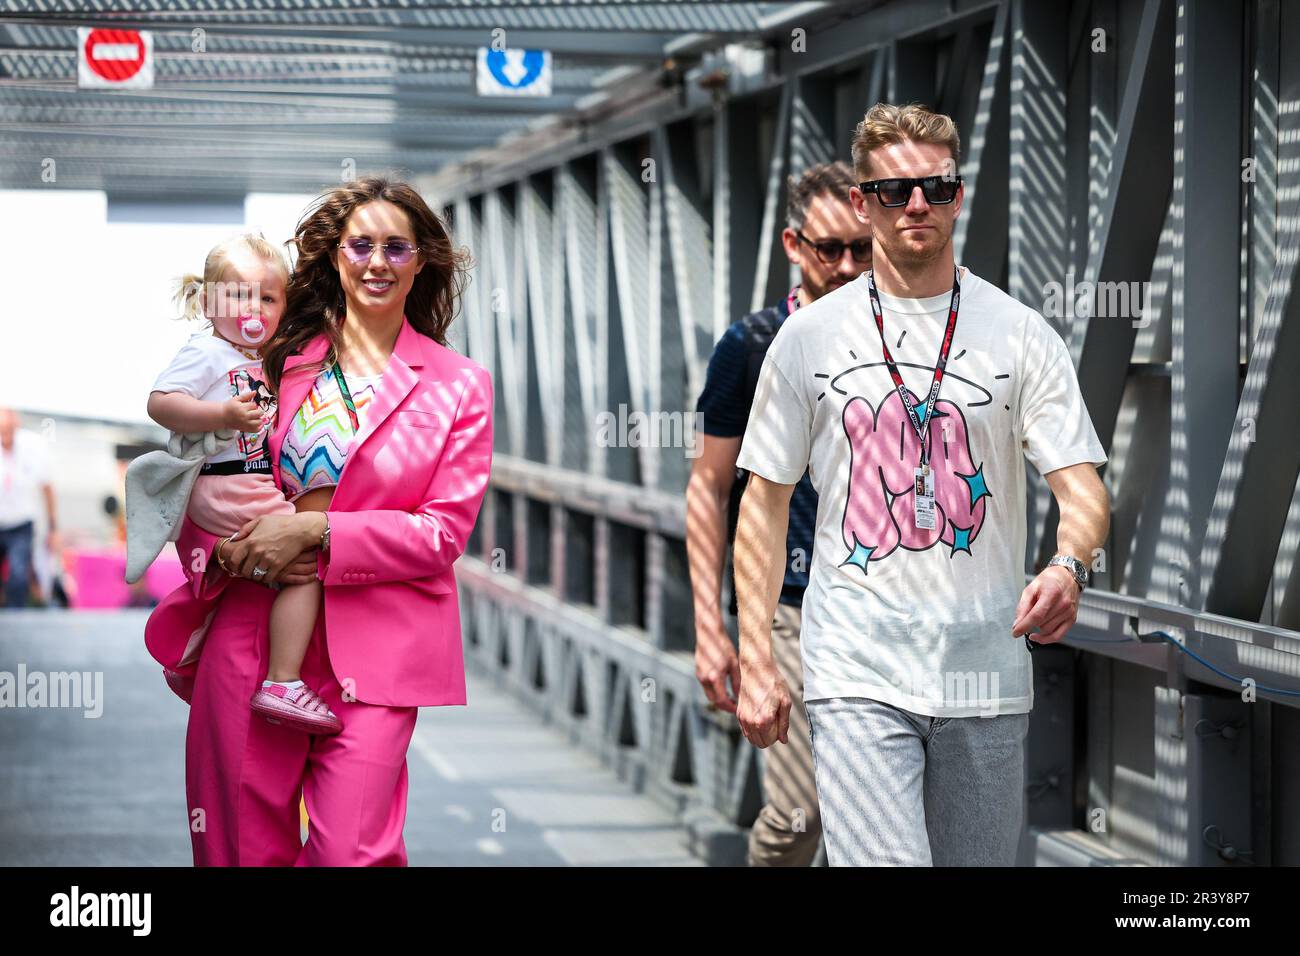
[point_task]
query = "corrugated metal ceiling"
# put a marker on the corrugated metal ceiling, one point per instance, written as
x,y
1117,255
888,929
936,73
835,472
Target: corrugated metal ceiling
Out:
x,y
288,95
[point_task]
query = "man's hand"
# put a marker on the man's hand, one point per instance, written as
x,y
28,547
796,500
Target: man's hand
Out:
x,y
1050,602
715,662
764,711
713,473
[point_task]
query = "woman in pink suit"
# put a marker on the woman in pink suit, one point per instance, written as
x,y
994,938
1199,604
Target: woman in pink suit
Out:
x,y
383,436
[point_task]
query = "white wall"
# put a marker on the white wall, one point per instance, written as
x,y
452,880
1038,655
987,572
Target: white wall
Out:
x,y
86,321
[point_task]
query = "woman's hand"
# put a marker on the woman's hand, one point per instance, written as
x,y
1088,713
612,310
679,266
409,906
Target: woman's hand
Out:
x,y
277,544
301,570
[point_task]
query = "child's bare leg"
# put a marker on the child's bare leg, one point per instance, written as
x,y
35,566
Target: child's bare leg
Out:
x,y
284,698
293,617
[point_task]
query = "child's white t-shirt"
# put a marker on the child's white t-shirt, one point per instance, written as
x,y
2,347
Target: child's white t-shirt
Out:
x,y
920,619
211,369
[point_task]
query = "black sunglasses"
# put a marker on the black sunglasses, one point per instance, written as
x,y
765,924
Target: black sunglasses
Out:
x,y
938,190
830,251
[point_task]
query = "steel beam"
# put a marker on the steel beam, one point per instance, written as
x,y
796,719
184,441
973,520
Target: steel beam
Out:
x,y
1207,211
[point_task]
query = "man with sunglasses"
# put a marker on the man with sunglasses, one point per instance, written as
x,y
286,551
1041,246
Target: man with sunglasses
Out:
x,y
913,396
830,247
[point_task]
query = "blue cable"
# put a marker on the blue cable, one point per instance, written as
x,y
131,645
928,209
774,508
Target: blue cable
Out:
x,y
1190,653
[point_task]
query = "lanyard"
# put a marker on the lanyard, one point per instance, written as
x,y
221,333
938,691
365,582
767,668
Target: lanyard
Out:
x,y
792,300
922,430
347,397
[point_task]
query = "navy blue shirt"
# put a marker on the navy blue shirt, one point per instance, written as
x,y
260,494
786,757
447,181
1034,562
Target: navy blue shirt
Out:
x,y
724,404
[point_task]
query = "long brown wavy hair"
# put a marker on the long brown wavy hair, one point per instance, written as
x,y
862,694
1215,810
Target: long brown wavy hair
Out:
x,y
314,301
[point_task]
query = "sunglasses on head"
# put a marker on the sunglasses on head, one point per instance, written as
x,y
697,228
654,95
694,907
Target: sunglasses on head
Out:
x,y
397,251
938,190
830,251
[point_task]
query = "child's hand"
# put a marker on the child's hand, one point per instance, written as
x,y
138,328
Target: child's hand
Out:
x,y
242,412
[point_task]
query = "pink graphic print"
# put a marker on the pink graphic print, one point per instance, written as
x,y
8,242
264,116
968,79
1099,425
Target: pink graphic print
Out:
x,y
879,515
246,379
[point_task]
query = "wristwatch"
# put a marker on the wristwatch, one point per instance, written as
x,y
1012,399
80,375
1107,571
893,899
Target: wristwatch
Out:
x,y
1075,567
325,535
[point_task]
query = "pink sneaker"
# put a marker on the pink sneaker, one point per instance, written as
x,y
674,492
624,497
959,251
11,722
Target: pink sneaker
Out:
x,y
299,708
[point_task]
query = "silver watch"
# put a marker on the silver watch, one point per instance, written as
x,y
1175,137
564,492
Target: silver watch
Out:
x,y
325,535
1075,567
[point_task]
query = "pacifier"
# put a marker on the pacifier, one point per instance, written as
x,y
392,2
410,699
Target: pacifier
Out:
x,y
252,329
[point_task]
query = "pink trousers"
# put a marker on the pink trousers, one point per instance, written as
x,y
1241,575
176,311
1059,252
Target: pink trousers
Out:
x,y
243,776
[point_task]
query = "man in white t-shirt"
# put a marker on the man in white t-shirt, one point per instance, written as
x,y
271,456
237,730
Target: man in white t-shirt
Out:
x,y
913,396
25,485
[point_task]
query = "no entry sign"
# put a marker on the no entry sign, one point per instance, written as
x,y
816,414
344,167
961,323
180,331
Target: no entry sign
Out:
x,y
114,59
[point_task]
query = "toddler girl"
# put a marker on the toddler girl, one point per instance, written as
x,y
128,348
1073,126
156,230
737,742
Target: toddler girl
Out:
x,y
215,382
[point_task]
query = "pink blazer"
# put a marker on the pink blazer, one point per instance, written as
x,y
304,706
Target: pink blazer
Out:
x,y
407,499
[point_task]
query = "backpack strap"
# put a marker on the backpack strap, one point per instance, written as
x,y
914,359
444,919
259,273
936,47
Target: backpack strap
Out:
x,y
759,333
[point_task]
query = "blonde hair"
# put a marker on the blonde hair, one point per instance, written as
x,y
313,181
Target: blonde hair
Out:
x,y
886,124
190,287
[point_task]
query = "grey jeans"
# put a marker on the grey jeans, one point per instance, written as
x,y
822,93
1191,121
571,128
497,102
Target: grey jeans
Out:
x,y
904,789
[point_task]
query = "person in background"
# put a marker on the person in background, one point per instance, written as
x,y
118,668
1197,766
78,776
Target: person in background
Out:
x,y
25,485
916,683
830,247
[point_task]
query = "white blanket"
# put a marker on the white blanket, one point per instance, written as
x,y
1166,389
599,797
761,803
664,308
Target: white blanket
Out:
x,y
158,486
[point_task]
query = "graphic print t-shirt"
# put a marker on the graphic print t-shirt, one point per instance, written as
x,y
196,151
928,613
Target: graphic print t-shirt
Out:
x,y
209,368
920,619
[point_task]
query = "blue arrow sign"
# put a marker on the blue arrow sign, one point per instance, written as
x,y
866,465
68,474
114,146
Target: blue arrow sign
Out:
x,y
514,72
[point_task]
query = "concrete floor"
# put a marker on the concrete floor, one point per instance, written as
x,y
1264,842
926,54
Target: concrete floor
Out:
x,y
109,790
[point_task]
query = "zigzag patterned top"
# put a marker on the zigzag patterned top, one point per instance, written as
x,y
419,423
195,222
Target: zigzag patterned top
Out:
x,y
316,444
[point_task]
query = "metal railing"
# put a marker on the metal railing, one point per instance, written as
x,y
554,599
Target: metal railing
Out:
x,y
1153,143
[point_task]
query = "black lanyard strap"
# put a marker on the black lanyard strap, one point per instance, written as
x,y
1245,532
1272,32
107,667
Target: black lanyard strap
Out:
x,y
919,425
